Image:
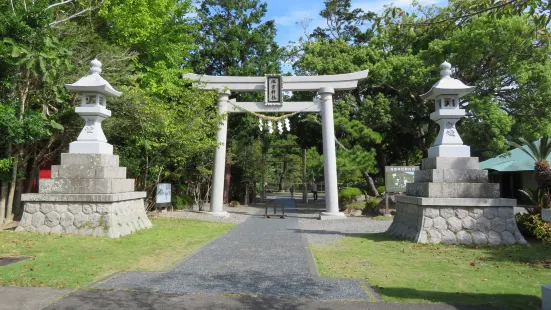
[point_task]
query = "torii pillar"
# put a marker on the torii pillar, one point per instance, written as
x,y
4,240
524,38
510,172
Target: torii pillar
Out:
x,y
329,156
217,190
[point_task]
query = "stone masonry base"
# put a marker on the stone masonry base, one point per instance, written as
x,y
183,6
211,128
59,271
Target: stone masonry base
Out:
x,y
456,224
110,219
88,194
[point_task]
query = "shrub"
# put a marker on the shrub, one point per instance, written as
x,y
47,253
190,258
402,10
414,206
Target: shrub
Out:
x,y
533,225
372,203
381,189
347,195
355,206
182,202
234,203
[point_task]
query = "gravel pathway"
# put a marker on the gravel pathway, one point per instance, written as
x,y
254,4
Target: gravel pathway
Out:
x,y
237,215
267,257
321,232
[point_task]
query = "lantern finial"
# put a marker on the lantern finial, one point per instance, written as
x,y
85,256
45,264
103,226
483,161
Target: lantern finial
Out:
x,y
445,69
95,66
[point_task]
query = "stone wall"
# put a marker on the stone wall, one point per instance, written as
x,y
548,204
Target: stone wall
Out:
x,y
88,194
456,224
114,219
452,202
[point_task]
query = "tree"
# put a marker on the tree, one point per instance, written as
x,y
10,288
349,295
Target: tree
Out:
x,y
495,53
232,39
539,151
160,124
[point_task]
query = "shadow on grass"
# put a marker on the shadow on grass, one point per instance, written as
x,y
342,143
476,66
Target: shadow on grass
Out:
x,y
537,253
500,301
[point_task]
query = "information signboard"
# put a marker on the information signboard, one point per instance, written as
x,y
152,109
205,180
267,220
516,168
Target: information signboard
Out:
x,y
396,177
164,195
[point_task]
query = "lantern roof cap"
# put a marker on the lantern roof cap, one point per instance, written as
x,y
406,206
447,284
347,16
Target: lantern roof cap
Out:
x,y
93,82
447,85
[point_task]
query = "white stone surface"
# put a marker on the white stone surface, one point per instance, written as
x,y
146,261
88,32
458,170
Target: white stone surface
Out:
x,y
326,216
546,297
217,190
449,151
546,215
448,133
81,197
290,83
446,94
447,85
242,107
93,89
93,82
90,147
329,152
460,163
467,202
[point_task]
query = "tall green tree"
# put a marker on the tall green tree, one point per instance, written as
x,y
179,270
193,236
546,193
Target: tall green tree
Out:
x,y
497,53
233,39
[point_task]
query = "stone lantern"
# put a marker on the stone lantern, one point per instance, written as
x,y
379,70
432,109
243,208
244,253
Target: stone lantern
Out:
x,y
446,94
94,91
450,200
88,192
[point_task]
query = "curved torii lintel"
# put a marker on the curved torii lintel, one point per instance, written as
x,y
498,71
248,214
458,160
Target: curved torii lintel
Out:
x,y
290,83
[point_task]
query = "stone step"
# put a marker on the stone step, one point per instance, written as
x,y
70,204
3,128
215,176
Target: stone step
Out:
x,y
451,176
88,172
89,160
449,163
458,202
453,190
85,186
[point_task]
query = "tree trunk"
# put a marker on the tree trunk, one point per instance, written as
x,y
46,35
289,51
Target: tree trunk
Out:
x,y
31,171
372,189
17,199
282,176
4,192
18,151
3,198
13,184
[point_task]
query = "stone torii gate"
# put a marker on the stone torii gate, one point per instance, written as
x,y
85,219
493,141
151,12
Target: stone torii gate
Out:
x,y
273,87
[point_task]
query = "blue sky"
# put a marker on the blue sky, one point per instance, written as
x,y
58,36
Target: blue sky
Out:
x,y
287,13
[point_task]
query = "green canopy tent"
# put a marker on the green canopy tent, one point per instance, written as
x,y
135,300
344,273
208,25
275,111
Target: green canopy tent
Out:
x,y
513,171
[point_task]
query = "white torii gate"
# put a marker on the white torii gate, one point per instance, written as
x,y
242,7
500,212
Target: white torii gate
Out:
x,y
325,85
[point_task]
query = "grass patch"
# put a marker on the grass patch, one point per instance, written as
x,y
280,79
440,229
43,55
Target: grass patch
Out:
x,y
383,218
403,271
73,261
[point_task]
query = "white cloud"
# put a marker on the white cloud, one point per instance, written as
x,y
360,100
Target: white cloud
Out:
x,y
377,5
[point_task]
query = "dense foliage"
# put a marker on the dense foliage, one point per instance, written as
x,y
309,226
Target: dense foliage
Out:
x,y
531,225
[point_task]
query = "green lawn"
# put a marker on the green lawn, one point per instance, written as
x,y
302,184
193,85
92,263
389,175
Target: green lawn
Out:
x,y
74,261
403,271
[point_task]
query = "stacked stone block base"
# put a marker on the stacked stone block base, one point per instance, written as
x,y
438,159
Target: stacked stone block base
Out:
x,y
451,202
456,224
87,195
